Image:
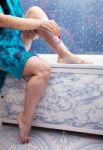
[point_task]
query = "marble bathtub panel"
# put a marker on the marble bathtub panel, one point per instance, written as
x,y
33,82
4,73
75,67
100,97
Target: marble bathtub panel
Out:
x,y
69,101
41,140
77,141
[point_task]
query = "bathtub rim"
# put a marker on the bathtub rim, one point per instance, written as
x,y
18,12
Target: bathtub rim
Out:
x,y
64,128
74,68
60,65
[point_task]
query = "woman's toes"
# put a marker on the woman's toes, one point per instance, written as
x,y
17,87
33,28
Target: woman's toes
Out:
x,y
24,129
73,60
24,139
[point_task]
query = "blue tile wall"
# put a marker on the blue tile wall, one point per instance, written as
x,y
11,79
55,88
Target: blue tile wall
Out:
x,y
81,23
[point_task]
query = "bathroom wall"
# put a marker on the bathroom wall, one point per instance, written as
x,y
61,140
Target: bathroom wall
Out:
x,y
81,23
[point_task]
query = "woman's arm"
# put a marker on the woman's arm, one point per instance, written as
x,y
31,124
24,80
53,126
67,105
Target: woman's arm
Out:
x,y
7,21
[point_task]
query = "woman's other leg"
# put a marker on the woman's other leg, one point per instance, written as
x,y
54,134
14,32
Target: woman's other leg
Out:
x,y
30,35
64,55
39,72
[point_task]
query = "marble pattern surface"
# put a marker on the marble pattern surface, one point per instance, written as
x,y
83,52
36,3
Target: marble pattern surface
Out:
x,y
74,141
70,102
81,23
44,139
41,140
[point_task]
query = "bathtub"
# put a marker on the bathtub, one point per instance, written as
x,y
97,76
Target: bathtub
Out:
x,y
72,101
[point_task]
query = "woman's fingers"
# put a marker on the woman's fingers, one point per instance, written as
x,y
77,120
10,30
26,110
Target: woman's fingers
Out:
x,y
29,33
51,26
55,28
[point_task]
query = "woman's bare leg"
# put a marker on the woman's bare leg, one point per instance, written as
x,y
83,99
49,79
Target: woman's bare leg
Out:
x,y
39,71
30,35
64,55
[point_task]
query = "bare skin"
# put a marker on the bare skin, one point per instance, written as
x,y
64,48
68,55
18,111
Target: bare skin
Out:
x,y
24,129
35,68
64,56
38,71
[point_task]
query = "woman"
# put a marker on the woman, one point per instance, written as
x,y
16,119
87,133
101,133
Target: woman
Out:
x,y
16,36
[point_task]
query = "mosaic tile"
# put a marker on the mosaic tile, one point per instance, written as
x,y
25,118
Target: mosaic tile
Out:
x,y
81,22
50,5
72,5
40,47
93,26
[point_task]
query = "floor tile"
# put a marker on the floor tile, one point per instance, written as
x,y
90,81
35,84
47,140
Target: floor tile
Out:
x,y
77,141
46,139
42,139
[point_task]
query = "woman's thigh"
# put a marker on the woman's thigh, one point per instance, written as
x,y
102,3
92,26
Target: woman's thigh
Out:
x,y
34,65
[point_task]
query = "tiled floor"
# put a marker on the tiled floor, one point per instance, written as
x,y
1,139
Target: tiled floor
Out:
x,y
45,139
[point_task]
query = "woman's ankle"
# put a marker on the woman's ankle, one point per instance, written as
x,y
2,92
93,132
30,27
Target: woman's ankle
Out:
x,y
64,54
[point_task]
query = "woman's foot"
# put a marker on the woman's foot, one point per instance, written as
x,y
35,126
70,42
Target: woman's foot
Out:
x,y
24,129
72,59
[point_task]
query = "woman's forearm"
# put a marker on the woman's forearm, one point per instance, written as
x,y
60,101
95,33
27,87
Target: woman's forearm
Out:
x,y
7,21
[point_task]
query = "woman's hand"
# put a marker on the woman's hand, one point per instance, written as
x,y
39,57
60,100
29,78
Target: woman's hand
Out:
x,y
50,25
28,24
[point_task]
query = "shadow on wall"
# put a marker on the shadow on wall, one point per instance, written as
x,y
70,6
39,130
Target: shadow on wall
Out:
x,y
81,24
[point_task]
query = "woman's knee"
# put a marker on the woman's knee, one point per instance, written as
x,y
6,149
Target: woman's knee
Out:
x,y
45,71
42,75
36,12
37,66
